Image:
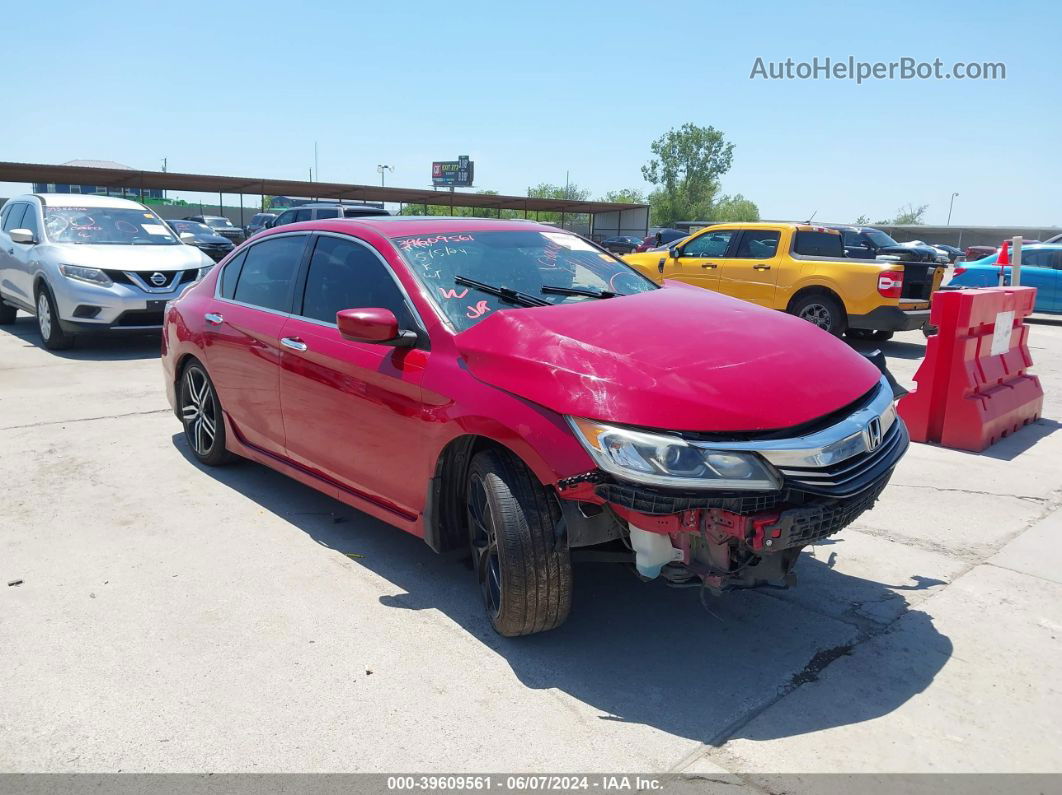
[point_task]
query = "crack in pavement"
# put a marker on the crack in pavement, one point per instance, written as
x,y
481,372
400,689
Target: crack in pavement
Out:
x,y
969,491
43,423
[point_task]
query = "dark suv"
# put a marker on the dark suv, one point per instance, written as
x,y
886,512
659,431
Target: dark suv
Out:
x,y
320,212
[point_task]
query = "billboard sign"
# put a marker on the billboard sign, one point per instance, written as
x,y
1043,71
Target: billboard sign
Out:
x,y
453,173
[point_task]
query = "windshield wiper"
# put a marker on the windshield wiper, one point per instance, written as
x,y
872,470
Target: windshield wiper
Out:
x,y
504,293
549,288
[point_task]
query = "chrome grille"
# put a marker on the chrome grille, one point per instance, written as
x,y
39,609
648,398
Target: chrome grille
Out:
x,y
852,474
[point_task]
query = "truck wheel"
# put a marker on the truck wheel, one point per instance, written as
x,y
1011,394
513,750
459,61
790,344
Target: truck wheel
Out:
x,y
52,334
823,310
873,335
524,573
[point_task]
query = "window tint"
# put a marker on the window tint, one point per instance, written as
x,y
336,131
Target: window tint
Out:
x,y
818,244
285,218
3,213
328,212
710,244
268,273
757,245
14,218
230,274
29,221
853,239
347,275
302,215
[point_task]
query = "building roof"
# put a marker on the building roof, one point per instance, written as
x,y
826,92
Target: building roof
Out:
x,y
97,164
210,183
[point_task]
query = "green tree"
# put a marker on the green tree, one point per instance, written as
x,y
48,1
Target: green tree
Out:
x,y
624,196
911,214
862,220
457,211
734,208
571,192
685,169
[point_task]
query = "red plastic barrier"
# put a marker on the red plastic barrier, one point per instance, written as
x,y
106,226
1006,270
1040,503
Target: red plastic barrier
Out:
x,y
973,388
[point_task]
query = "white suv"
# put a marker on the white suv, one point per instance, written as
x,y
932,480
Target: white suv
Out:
x,y
86,264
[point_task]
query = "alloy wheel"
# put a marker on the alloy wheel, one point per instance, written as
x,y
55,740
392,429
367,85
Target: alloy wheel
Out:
x,y
483,535
817,314
44,314
198,411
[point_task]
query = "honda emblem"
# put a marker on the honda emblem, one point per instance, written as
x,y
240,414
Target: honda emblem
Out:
x,y
873,434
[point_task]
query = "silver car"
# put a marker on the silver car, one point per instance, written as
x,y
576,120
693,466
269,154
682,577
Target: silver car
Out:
x,y
89,264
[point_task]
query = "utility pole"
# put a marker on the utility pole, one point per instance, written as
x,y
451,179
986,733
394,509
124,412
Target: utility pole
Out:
x,y
164,164
950,206
383,168
316,168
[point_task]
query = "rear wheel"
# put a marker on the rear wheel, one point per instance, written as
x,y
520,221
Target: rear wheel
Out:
x,y
873,335
204,426
822,310
52,334
524,571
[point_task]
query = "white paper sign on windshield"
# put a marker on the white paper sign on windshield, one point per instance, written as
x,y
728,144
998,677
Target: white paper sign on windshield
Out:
x,y
155,229
568,241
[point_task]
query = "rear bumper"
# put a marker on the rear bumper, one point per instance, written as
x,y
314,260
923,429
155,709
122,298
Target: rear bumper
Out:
x,y
890,318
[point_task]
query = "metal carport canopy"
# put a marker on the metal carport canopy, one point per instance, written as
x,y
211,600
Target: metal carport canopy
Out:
x,y
211,183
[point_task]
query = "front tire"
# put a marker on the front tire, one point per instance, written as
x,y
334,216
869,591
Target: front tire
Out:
x,y
821,310
52,334
524,570
204,425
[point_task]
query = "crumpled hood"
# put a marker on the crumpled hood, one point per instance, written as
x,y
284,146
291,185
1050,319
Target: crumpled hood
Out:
x,y
131,258
680,358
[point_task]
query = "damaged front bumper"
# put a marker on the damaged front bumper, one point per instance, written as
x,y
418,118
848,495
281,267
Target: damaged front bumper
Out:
x,y
741,538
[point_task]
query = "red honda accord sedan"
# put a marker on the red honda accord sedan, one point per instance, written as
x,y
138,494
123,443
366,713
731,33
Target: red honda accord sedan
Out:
x,y
512,389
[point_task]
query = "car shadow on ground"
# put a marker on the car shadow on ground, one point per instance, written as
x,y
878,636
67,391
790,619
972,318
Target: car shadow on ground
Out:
x,y
88,348
893,349
637,652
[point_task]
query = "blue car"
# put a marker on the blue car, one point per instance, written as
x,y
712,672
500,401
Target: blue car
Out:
x,y
1041,267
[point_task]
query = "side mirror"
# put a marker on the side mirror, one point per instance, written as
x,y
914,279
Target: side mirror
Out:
x,y
674,252
22,236
375,325
269,224
187,236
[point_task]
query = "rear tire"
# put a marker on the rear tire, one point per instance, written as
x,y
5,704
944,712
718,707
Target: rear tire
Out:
x,y
7,314
52,334
204,424
524,570
821,310
872,335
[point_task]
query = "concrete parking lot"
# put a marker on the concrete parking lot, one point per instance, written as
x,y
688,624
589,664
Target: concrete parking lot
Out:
x,y
174,618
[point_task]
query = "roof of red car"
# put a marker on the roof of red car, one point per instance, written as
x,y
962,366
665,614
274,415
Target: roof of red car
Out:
x,y
402,225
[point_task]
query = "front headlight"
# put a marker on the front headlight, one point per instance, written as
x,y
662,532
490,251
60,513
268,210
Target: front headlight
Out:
x,y
90,275
203,272
663,460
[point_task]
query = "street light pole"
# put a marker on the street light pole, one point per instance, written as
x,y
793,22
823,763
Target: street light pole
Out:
x,y
383,168
951,204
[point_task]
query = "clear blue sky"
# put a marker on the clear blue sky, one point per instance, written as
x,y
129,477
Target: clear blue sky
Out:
x,y
532,90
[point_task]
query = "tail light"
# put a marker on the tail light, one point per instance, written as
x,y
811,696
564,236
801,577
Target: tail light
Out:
x,y
959,270
890,283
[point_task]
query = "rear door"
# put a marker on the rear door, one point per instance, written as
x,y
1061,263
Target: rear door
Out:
x,y
1039,269
750,272
352,410
243,331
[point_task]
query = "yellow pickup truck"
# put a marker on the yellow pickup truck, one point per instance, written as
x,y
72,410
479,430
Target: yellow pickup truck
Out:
x,y
800,269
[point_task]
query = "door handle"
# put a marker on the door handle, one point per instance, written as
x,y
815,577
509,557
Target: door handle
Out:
x,y
710,265
294,343
761,267
213,318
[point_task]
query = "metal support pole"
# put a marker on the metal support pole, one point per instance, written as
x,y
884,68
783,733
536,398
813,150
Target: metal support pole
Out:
x,y
241,211
1015,262
221,204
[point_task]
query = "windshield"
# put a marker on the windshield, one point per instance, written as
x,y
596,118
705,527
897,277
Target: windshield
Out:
x,y
218,223
880,239
191,227
525,261
106,225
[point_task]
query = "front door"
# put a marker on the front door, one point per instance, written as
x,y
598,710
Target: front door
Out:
x,y
12,278
699,258
352,410
243,331
750,271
